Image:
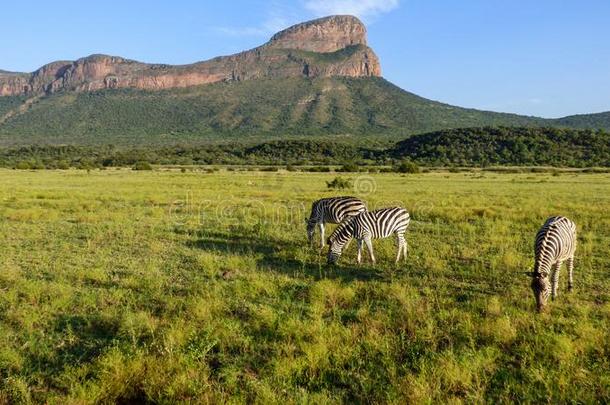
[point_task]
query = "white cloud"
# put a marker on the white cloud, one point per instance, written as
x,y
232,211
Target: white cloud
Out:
x,y
279,16
361,8
268,27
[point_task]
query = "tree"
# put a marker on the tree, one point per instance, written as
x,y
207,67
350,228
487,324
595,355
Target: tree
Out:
x,y
407,166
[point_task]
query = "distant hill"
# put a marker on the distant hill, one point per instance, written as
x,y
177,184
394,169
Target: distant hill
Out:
x,y
508,146
315,79
593,121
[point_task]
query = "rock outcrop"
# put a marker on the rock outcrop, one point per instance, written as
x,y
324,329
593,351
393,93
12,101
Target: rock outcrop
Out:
x,y
331,46
324,35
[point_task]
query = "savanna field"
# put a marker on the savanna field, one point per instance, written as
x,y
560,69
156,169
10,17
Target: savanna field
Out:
x,y
119,286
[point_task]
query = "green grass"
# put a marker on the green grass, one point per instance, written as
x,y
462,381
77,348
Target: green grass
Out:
x,y
120,286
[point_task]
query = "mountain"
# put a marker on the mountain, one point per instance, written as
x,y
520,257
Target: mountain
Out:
x,y
332,46
317,78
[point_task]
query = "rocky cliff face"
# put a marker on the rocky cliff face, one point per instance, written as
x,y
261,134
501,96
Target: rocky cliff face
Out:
x,y
324,35
331,46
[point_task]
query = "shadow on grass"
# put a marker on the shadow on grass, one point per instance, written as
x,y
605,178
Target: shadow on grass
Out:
x,y
273,257
82,339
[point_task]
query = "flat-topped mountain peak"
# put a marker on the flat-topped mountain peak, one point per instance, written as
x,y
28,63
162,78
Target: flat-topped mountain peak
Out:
x,y
325,47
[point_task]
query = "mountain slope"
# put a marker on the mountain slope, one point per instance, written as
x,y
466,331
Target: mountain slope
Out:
x,y
257,109
585,121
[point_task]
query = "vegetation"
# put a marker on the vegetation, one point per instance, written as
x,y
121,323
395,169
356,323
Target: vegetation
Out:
x,y
142,165
591,121
166,287
509,146
339,183
406,166
465,147
254,110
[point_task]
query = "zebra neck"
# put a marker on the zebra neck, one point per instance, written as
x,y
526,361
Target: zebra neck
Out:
x,y
343,241
543,265
345,235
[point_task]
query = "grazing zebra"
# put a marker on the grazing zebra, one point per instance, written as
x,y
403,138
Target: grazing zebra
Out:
x,y
332,210
367,226
555,243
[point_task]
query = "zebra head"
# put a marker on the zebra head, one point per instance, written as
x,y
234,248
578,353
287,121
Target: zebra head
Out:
x,y
541,286
311,227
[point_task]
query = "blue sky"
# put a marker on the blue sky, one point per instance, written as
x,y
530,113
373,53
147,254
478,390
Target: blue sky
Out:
x,y
537,57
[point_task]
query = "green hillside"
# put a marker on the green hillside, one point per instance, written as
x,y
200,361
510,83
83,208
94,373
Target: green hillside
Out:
x,y
254,110
590,121
249,111
508,146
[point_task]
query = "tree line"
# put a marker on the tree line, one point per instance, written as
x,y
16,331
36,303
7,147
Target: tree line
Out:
x,y
456,147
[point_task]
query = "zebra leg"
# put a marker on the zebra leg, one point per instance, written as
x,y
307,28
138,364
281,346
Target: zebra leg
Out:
x,y
570,271
369,245
404,246
556,279
360,251
401,243
321,225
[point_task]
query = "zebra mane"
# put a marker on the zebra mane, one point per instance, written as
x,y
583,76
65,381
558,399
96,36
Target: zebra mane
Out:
x,y
551,225
344,227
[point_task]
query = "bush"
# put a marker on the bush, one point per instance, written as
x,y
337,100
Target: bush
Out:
x,y
142,166
63,165
339,183
318,169
291,168
407,167
350,168
23,165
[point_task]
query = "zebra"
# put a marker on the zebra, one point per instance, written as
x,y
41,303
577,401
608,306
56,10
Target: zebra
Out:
x,y
331,210
555,243
370,225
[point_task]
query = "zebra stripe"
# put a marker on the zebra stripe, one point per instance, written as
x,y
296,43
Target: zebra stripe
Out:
x,y
555,243
331,210
367,226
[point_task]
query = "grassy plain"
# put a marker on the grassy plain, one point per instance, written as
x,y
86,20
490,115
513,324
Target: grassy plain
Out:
x,y
125,287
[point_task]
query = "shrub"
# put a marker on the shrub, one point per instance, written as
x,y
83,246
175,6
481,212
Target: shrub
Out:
x,y
142,165
407,167
23,165
350,168
63,165
339,183
318,169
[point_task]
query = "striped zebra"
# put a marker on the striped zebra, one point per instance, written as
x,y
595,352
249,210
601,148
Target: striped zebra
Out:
x,y
555,243
367,226
331,210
